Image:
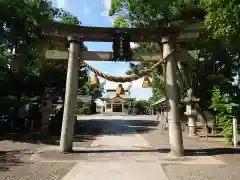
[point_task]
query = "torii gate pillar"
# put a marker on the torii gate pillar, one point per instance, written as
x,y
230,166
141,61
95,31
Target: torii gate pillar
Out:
x,y
70,102
174,124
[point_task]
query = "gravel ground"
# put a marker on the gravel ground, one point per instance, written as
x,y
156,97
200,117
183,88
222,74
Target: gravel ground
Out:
x,y
202,172
15,156
230,171
15,163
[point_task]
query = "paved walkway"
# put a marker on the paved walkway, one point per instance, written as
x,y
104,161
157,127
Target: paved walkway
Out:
x,y
126,168
137,166
118,152
129,141
135,148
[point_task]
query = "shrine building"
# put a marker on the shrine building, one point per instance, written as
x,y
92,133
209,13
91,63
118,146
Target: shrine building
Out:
x,y
118,100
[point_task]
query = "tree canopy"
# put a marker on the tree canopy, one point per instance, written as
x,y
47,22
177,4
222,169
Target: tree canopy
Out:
x,y
217,63
24,70
215,56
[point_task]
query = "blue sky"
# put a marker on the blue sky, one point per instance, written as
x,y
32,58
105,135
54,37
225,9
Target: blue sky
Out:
x,y
95,13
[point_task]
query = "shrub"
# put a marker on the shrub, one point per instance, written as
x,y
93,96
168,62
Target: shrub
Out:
x,y
224,112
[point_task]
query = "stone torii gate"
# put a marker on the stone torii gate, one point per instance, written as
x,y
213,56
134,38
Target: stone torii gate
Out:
x,y
76,35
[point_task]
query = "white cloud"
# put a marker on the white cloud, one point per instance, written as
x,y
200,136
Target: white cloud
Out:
x,y
138,83
104,13
135,84
61,3
114,85
106,4
141,93
86,9
107,7
136,90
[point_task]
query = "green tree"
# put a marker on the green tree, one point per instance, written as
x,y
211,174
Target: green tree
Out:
x,y
21,29
88,89
24,69
222,19
218,45
142,106
217,62
152,13
224,112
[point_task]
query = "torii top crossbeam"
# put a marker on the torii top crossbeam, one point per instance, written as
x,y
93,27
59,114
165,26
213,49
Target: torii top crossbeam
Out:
x,y
182,33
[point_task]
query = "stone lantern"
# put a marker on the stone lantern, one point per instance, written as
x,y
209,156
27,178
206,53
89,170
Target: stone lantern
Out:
x,y
189,101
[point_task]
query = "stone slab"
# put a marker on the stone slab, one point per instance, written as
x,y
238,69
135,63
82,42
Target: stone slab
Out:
x,y
119,142
201,160
83,154
116,170
202,172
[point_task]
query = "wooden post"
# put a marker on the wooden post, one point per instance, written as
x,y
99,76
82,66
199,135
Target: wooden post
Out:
x,y
174,124
66,141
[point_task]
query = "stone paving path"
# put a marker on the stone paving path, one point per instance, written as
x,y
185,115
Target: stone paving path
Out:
x,y
127,147
123,150
128,168
136,148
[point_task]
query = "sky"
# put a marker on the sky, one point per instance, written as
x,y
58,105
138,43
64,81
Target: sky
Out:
x,y
95,13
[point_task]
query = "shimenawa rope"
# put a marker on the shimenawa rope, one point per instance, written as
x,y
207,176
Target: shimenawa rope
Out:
x,y
126,78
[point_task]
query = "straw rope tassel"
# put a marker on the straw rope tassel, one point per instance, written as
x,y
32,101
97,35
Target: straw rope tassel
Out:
x,y
95,81
146,82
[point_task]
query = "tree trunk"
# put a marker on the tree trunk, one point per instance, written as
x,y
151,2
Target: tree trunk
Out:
x,y
202,117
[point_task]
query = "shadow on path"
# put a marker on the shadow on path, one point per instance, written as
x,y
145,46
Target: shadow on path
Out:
x,y
212,151
116,126
187,152
88,130
123,150
9,159
76,155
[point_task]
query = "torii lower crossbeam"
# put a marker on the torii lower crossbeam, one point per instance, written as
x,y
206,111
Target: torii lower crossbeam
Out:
x,y
101,56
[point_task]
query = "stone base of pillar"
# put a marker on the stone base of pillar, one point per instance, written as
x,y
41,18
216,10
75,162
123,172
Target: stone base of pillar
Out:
x,y
69,151
192,131
175,138
192,127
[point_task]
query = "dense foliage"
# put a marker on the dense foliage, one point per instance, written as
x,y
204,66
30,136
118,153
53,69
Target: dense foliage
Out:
x,y
224,112
142,107
217,63
24,70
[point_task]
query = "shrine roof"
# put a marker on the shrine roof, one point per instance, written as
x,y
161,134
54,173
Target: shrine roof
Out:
x,y
124,97
114,89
